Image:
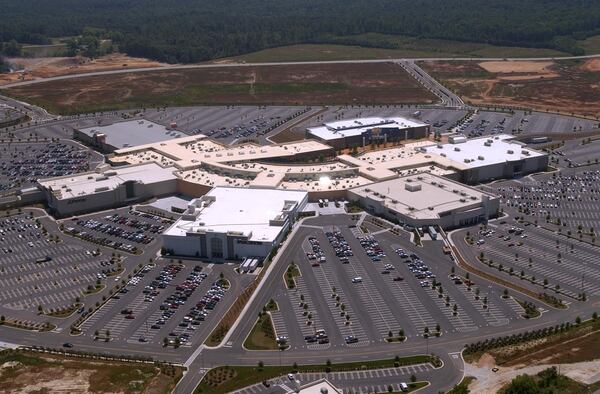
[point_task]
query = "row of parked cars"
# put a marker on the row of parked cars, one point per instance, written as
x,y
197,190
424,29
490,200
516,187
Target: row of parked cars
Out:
x,y
372,247
339,245
136,223
317,256
24,164
419,269
138,236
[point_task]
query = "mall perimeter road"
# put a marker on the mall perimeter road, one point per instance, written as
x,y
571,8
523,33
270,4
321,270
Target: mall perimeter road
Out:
x,y
215,65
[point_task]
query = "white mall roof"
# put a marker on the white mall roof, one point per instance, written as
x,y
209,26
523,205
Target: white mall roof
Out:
x,y
86,183
353,127
244,210
479,152
432,195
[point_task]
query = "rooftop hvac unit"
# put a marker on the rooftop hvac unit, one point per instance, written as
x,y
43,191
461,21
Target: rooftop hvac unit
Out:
x,y
110,173
463,200
443,154
473,198
525,152
481,157
411,208
440,146
510,151
420,178
456,149
101,189
490,140
454,191
433,183
412,187
487,144
467,160
430,208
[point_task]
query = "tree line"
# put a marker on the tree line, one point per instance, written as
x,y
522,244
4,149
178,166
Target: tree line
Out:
x,y
192,30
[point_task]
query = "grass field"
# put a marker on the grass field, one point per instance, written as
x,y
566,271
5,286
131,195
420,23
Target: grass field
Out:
x,y
382,46
230,378
568,86
43,373
590,45
381,83
262,335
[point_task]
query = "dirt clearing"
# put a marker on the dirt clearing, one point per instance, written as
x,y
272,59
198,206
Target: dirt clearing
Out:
x,y
314,84
36,68
488,381
568,86
516,67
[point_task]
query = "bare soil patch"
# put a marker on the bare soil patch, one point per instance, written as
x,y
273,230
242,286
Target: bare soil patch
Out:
x,y
516,66
568,86
315,84
36,68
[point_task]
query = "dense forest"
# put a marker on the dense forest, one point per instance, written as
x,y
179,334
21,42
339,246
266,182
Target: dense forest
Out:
x,y
195,30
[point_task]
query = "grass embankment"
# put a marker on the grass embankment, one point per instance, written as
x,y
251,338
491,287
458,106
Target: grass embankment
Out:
x,y
384,46
463,386
547,381
225,379
566,343
49,373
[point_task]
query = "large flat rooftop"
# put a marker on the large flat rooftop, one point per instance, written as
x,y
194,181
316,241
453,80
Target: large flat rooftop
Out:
x,y
133,133
244,210
479,152
421,196
354,127
83,184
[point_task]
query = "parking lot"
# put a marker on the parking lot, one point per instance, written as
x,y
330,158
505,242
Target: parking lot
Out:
x,y
378,287
22,163
369,381
39,268
168,303
125,230
520,123
227,124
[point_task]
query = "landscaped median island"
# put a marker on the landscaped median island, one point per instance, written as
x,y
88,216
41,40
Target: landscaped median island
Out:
x,y
290,275
225,379
263,336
